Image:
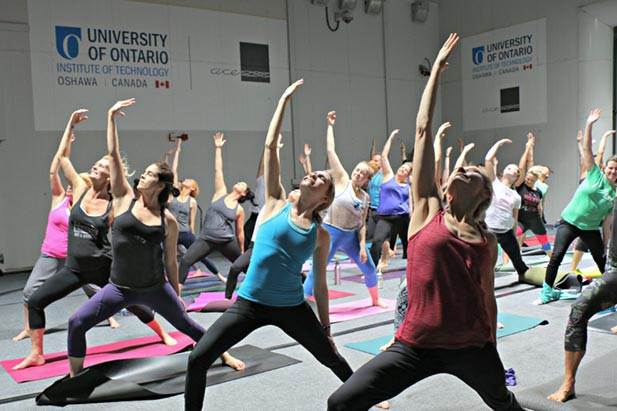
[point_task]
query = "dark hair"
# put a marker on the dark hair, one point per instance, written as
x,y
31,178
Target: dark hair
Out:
x,y
328,203
166,176
248,196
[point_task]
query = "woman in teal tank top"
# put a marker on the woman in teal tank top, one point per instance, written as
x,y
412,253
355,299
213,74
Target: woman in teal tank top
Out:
x,y
272,292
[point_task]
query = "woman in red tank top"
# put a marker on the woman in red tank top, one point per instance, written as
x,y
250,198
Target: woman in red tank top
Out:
x,y
444,331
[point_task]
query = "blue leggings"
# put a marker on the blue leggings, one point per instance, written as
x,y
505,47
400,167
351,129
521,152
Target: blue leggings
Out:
x,y
348,242
112,299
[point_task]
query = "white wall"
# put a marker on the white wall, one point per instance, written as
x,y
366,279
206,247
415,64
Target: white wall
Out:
x,y
579,77
373,87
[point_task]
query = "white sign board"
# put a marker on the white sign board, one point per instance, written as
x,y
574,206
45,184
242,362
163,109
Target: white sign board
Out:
x,y
189,69
504,77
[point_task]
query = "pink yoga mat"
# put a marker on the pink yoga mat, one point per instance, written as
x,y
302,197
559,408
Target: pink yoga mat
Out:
x,y
204,298
333,295
57,364
358,309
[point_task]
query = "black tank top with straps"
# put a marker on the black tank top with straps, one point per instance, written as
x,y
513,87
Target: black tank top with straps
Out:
x,y
138,253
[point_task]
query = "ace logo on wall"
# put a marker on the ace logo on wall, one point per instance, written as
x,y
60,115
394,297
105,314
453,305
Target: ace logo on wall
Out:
x,y
504,77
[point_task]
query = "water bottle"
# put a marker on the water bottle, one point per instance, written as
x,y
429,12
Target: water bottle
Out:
x,y
337,273
379,279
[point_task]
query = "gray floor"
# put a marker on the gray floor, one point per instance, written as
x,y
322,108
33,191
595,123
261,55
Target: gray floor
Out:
x,y
536,355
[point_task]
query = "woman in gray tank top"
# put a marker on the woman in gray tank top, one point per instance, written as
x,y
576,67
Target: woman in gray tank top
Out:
x,y
223,227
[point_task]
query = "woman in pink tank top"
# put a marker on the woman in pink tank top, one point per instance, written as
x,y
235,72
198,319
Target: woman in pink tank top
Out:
x,y
448,249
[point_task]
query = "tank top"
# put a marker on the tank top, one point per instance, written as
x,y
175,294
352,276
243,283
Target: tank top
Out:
x,y
393,198
446,299
219,222
374,186
347,210
182,212
530,202
137,251
280,250
56,234
88,245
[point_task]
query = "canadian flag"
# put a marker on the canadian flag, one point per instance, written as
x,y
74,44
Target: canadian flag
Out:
x,y
161,84
527,66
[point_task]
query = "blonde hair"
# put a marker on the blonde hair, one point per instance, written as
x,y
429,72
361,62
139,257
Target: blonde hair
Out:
x,y
86,178
195,187
125,165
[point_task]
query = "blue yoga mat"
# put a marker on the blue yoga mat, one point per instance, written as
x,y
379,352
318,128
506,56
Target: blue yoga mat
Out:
x,y
512,324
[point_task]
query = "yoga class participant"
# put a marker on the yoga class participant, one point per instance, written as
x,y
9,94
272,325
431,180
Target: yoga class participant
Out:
x,y
373,189
272,292
184,209
140,263
444,331
590,207
223,226
394,203
88,252
346,216
530,213
502,215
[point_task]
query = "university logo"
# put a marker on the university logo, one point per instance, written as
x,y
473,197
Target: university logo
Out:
x,y
67,41
477,55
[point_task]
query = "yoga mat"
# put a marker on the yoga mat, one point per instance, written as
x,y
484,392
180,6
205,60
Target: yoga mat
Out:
x,y
152,378
604,324
370,346
595,388
357,309
343,259
199,274
514,324
333,295
57,364
536,261
390,275
205,298
533,241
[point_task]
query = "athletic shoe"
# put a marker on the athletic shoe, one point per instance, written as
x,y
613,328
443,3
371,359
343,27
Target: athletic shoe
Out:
x,y
548,294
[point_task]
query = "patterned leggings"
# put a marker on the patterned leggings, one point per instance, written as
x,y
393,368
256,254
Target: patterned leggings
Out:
x,y
600,295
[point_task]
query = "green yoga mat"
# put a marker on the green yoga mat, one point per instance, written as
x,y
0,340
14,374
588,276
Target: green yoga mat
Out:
x,y
512,324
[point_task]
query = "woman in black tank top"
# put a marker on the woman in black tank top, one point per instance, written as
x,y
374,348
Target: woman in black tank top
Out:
x,y
139,266
89,252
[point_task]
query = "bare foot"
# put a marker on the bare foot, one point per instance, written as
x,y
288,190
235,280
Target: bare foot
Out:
x,y
223,279
113,323
563,394
386,346
385,405
22,335
232,362
613,330
379,303
500,325
391,253
169,340
33,360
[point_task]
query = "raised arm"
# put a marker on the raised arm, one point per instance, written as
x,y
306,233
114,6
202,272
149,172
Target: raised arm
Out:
x,y
120,187
490,160
341,178
588,161
174,165
446,166
424,186
305,160
63,154
602,147
219,181
403,152
386,168
55,184
441,134
522,164
462,158
170,244
272,174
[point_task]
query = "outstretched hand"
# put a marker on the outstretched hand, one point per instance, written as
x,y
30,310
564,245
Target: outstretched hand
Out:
x,y
307,150
394,133
593,116
331,118
78,116
219,141
579,136
468,147
448,151
120,105
503,141
292,89
530,140
441,133
442,57
607,134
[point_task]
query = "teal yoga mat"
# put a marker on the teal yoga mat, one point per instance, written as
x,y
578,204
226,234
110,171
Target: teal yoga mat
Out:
x,y
512,324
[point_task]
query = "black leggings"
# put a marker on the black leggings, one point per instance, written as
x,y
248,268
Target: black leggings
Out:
x,y
509,244
401,366
566,233
600,295
242,318
249,228
65,282
202,248
388,225
186,238
239,266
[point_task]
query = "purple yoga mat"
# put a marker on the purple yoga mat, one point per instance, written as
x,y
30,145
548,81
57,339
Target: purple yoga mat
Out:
x,y
204,298
386,276
358,309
